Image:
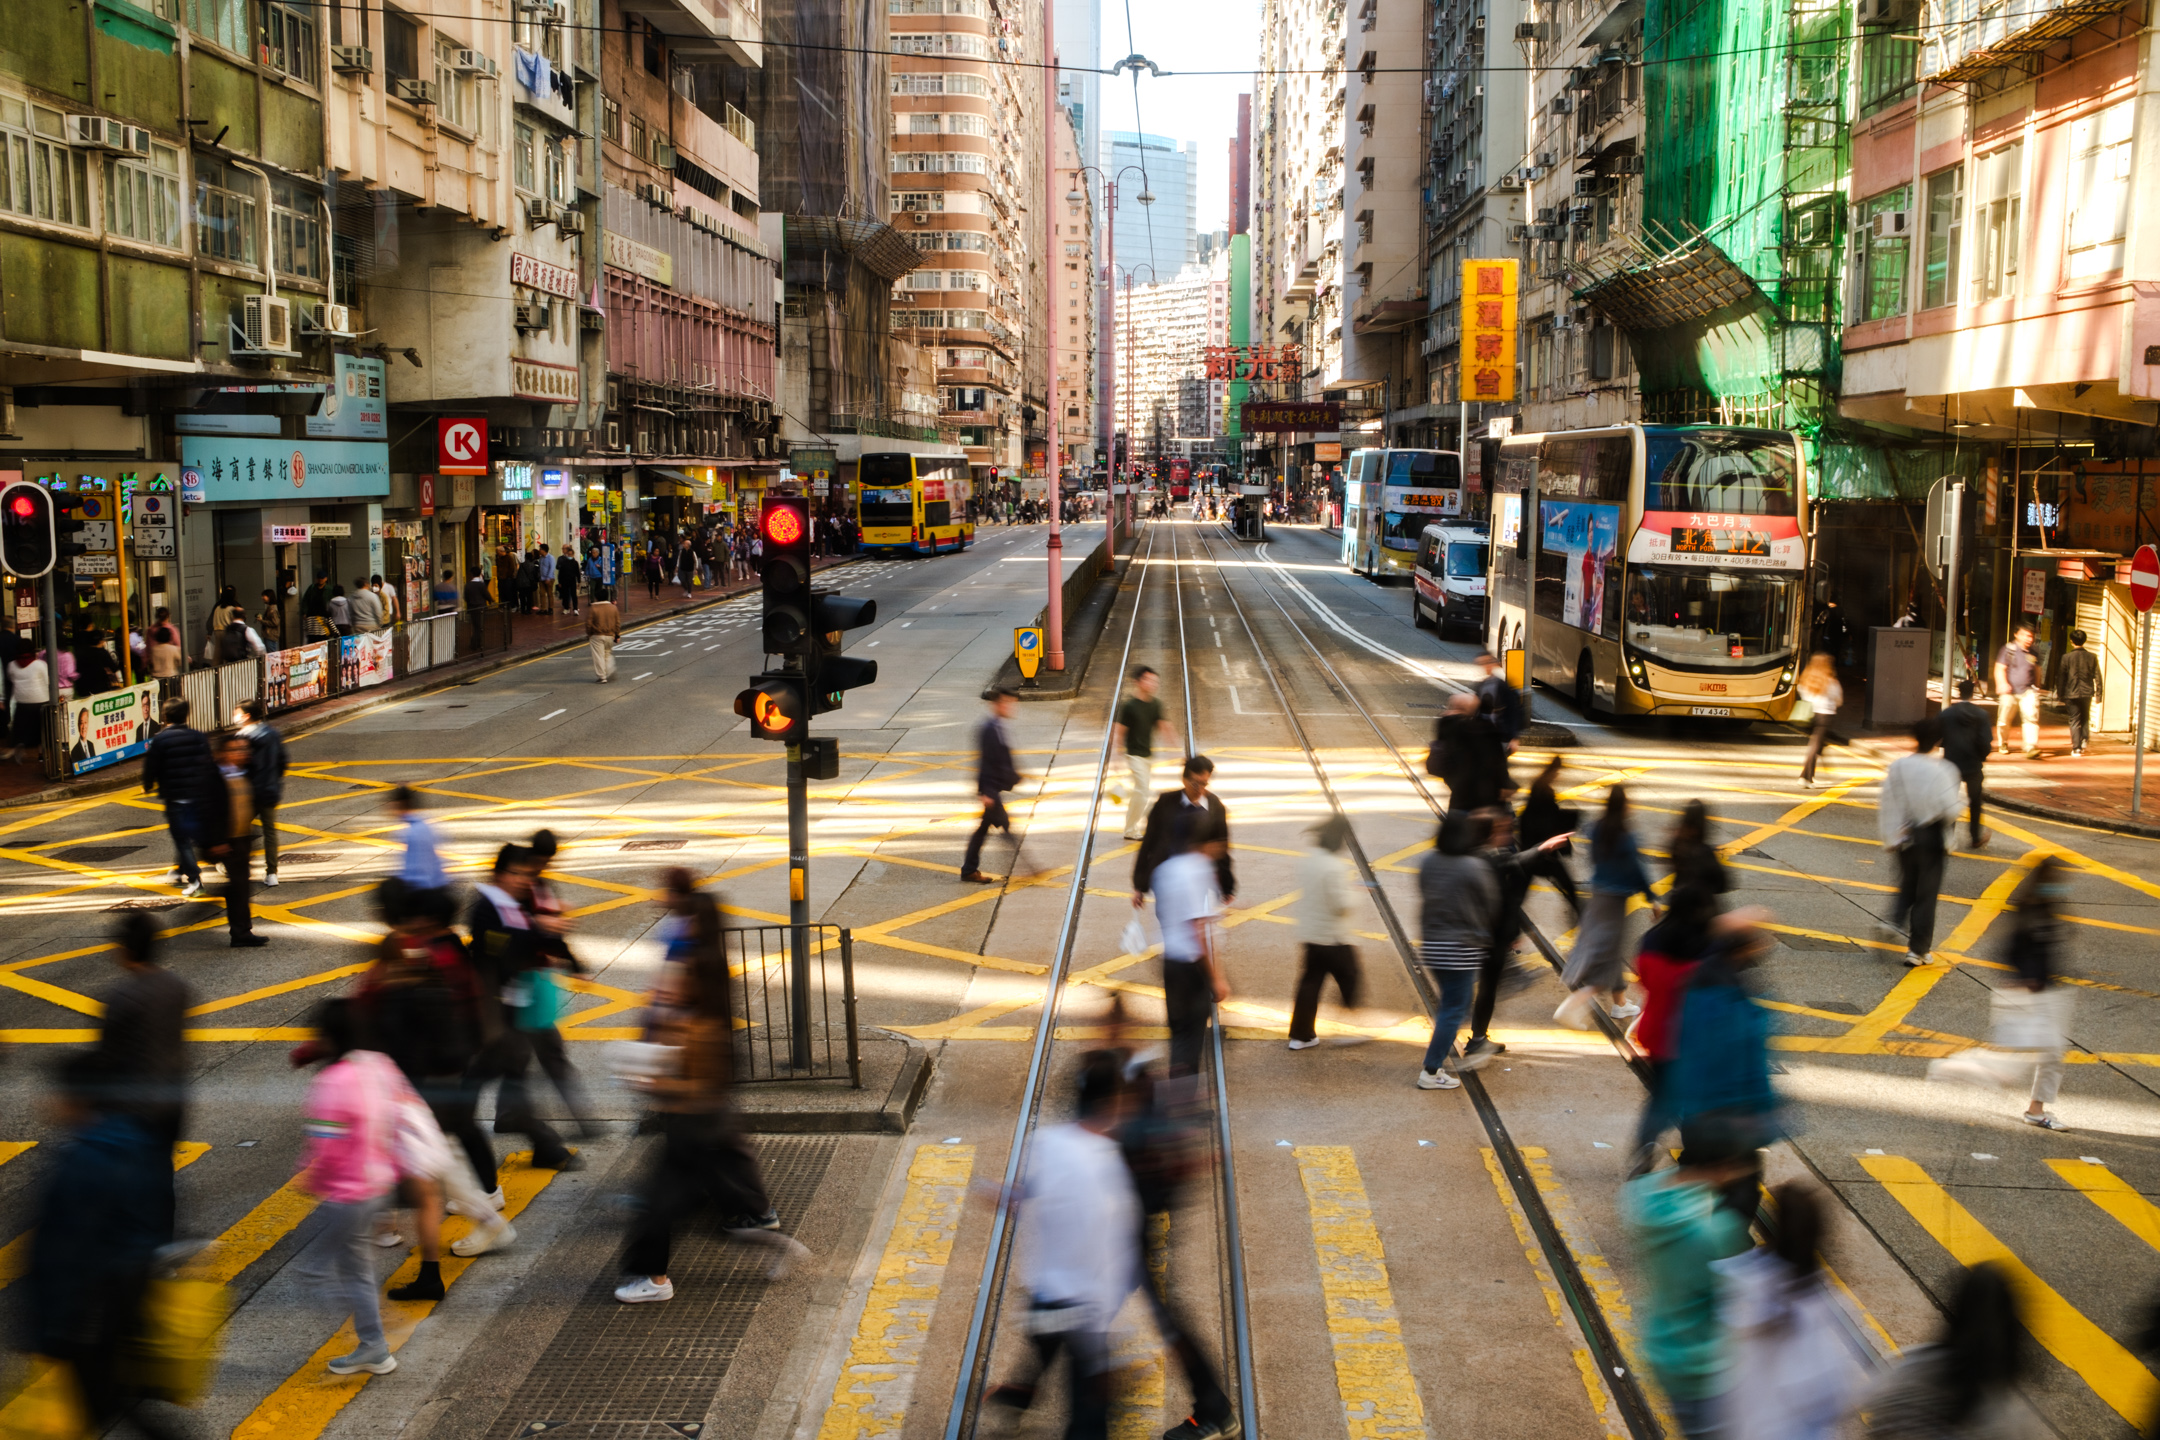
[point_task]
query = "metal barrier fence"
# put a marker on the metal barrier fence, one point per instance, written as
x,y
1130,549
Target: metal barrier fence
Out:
x,y
785,1002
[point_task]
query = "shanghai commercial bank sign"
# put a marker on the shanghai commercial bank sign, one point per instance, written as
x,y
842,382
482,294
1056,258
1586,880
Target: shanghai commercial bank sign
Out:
x,y
215,468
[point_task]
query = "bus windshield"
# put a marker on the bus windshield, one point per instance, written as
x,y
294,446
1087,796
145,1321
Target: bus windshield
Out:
x,y
1731,472
1427,469
887,507
885,470
1701,619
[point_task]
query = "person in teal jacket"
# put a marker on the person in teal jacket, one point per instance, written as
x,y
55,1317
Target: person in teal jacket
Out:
x,y
1722,1062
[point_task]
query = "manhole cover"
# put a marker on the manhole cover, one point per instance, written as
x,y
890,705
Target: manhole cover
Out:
x,y
305,857
95,854
654,844
150,902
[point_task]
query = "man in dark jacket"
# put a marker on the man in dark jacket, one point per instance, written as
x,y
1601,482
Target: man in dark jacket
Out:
x,y
504,949
1469,755
1499,701
1160,840
179,766
2078,688
1968,734
266,775
995,772
141,1052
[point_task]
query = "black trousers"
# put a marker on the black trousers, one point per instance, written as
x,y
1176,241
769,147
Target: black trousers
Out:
x,y
1550,866
1321,963
239,914
702,1160
514,1113
1190,999
452,1099
2080,710
1816,736
1920,872
1974,797
1210,1403
268,815
993,818
548,1049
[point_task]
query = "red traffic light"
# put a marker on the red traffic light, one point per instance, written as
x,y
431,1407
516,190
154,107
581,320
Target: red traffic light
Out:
x,y
23,506
783,525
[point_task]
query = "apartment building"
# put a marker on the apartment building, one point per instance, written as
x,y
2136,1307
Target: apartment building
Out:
x,y
1383,301
1073,297
1159,235
966,191
1165,393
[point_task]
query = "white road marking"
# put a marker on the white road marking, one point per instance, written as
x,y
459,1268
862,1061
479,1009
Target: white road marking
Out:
x,y
553,713
646,676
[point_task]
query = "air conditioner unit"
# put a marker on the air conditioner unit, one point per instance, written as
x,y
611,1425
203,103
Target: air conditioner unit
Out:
x,y
1531,172
1562,322
921,219
1531,30
1890,223
1509,180
614,396
329,319
1627,165
1580,214
591,319
1877,12
1591,187
1477,23
539,211
644,443
1563,105
98,133
614,435
415,92
352,60
534,317
1518,232
1547,159
1477,92
475,62
570,222
663,155
1808,225
1547,215
266,324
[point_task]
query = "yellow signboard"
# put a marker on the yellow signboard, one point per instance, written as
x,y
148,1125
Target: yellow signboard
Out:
x,y
1027,649
1488,329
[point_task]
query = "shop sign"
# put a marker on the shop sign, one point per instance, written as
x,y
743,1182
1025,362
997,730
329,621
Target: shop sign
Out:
x,y
1253,362
514,483
596,497
106,729
155,531
354,407
626,254
427,494
96,566
286,534
342,530
614,502
1488,329
1281,415
275,470
191,422
461,446
463,488
2032,591
538,380
554,484
1327,450
539,275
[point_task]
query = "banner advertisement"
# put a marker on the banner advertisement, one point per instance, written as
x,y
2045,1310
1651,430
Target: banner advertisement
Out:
x,y
106,729
1488,330
1275,416
1740,542
365,660
297,675
1587,537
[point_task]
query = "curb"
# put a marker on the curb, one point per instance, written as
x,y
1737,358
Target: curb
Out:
x,y
893,1118
2000,800
451,676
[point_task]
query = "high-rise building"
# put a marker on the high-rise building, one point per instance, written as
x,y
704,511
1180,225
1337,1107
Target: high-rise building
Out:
x,y
1163,334
1079,53
1241,169
1072,296
1161,235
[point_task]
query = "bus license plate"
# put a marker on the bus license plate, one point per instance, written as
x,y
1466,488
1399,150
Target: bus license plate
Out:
x,y
1721,712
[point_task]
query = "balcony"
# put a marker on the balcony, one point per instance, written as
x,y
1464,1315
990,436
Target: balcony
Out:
x,y
705,29
1961,40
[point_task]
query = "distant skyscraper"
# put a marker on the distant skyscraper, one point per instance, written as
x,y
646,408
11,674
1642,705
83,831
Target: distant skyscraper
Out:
x,y
1079,52
1161,235
1241,169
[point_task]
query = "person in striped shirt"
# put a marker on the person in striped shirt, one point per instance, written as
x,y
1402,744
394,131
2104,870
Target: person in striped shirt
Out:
x,y
1461,903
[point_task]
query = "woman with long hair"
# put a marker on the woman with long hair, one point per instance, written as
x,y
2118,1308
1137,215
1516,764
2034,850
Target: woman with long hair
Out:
x,y
1818,685
1543,816
1597,965
1964,1386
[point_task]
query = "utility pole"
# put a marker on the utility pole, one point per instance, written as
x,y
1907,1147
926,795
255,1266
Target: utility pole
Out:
x,y
798,848
1054,611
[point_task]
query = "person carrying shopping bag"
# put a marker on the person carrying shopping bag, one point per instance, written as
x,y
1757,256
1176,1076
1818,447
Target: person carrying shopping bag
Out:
x,y
2029,1013
1597,965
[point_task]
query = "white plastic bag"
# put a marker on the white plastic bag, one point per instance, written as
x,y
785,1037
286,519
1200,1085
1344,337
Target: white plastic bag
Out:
x,y
1133,938
2021,1019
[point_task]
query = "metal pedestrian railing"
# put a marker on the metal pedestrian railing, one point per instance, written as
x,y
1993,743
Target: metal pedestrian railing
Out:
x,y
794,1003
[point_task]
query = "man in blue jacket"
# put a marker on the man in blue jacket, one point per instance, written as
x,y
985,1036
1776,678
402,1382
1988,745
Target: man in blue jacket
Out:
x,y
179,766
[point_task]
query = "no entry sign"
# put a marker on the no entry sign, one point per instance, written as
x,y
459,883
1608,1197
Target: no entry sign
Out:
x,y
2144,577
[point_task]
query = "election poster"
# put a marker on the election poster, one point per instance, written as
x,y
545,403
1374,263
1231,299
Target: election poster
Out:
x,y
365,660
106,729
298,675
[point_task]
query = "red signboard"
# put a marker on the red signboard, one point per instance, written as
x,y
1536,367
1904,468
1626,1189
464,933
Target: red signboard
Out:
x,y
427,495
1264,415
461,446
2144,577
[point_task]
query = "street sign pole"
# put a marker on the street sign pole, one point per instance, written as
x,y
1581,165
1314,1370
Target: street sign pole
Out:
x,y
2144,589
798,841
1955,530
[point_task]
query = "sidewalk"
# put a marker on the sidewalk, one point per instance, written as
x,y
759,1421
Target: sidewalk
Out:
x,y
2094,790
530,636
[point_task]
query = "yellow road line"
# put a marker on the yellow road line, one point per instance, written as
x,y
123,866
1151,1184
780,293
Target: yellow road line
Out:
x,y
10,1149
305,982
303,1407
2115,1195
1136,1408
2063,1330
1912,987
1372,1369
1601,1401
878,1377
1993,901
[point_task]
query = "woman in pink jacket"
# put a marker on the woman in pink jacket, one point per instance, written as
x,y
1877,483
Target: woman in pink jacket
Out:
x,y
350,1164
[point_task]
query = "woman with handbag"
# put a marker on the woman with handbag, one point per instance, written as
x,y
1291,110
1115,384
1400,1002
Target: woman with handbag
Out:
x,y
2045,1001
1819,687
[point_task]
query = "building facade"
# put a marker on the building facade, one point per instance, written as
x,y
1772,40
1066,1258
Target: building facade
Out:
x,y
1162,234
1073,297
1167,400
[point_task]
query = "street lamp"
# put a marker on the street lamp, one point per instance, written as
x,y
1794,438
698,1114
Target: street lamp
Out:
x,y
1145,197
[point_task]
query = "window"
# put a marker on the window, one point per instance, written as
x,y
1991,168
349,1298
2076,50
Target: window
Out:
x,y
1998,204
913,84
940,42
295,231
401,47
638,147
935,7
2099,191
610,119
39,175
287,41
221,22
225,222
523,174
1889,68
1880,259
558,171
1945,238
454,86
142,197
919,200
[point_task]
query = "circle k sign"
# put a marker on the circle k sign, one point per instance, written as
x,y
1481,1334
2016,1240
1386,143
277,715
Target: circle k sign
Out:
x,y
461,447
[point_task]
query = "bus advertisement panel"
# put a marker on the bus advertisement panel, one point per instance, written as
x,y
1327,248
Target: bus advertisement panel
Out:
x,y
1583,539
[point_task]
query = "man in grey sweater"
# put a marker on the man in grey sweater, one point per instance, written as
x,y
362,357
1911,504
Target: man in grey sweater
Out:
x,y
1919,800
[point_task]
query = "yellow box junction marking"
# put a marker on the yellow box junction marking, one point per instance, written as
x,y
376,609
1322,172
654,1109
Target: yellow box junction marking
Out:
x,y
2115,1195
878,1377
1136,1409
2063,1330
1372,1369
303,1407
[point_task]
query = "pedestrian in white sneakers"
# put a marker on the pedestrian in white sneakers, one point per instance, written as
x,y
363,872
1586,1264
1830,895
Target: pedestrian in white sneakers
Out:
x,y
1597,965
350,1164
1460,902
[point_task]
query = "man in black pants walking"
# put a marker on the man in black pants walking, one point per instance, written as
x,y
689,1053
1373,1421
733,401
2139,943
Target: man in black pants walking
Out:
x,y
1918,801
1967,737
995,773
1159,841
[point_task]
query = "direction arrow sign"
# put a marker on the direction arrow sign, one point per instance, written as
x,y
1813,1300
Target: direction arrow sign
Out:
x,y
2144,577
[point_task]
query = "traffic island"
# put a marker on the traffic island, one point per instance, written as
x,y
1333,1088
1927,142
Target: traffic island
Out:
x,y
1090,592
895,1073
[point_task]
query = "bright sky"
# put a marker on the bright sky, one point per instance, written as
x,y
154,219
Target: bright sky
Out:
x,y
1220,35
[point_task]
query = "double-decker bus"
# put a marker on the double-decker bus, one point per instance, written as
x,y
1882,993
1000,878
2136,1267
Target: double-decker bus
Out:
x,y
1672,567
1180,481
1389,497
913,503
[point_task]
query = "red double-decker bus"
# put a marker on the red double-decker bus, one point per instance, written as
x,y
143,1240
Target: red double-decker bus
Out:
x,y
1180,480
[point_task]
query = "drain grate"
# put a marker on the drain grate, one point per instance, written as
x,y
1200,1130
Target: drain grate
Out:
x,y
95,854
305,857
150,902
654,844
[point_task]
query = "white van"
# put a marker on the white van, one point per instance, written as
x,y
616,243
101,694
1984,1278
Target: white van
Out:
x,y
1450,577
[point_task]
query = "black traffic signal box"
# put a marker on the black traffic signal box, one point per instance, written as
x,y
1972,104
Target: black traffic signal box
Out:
x,y
27,541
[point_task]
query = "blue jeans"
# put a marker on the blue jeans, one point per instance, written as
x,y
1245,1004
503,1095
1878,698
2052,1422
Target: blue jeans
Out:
x,y
347,1276
180,823
1457,987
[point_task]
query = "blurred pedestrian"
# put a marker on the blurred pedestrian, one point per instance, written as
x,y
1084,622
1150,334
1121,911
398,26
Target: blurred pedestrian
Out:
x,y
1326,884
350,1164
1797,1365
1512,872
1965,744
1192,801
1459,906
703,1157
1139,724
1188,904
1965,1385
2017,691
30,683
1721,1060
1819,687
1470,757
234,847
603,627
270,621
1597,966
504,952
1543,816
422,866
1681,1226
1671,949
2031,1010
566,581
995,773
1693,860
142,1047
1500,702
552,927
178,766
1918,801
2077,687
266,775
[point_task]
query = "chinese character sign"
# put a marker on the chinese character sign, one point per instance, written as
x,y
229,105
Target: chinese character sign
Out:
x,y
1254,362
1488,329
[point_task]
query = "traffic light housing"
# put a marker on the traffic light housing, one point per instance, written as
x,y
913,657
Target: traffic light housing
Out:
x,y
831,673
68,526
785,572
774,705
27,540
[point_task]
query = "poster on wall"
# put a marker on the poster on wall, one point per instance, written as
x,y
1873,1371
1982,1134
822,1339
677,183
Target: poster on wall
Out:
x,y
364,660
106,729
1588,537
297,675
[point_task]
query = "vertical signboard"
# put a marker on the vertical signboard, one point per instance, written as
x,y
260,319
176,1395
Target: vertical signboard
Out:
x,y
1488,329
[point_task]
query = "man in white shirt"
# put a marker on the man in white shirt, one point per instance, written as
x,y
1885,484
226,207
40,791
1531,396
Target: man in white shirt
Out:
x,y
1919,800
1322,913
1187,900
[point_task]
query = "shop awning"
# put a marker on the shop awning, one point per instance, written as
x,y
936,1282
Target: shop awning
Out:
x,y
700,490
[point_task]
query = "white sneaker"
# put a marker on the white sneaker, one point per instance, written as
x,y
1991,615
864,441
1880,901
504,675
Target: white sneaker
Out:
x,y
380,1363
390,1240
496,1200
192,887
1574,1012
642,1291
482,1241
271,878
1303,1044
1914,960
1624,1012
1437,1080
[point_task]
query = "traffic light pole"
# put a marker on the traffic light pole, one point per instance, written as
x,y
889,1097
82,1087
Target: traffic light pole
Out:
x,y
49,613
798,844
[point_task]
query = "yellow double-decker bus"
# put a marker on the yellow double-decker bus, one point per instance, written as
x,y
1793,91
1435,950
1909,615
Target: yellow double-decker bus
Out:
x,y
1671,567
913,503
